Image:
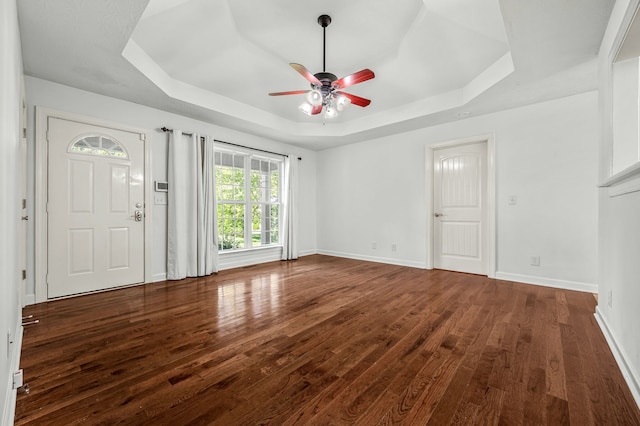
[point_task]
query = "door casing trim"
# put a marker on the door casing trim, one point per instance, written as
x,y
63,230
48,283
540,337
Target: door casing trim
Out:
x,y
41,192
490,244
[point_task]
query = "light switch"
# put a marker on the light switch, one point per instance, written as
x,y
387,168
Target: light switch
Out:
x,y
160,198
513,200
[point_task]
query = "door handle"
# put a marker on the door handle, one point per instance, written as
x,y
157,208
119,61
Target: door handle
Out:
x,y
137,216
438,214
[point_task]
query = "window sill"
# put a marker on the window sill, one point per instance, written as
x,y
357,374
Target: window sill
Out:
x,y
623,182
273,247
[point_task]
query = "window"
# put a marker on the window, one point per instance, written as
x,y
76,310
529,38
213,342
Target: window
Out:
x,y
248,199
102,146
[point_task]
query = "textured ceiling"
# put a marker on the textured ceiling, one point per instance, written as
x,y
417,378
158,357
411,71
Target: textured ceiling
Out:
x,y
217,60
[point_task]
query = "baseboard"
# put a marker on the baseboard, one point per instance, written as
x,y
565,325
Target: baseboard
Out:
x,y
243,261
9,406
307,253
159,277
620,356
391,261
547,282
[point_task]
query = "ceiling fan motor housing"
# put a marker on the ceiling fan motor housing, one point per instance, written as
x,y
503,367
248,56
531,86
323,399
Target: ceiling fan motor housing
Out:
x,y
326,78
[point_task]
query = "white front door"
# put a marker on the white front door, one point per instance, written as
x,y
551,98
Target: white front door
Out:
x,y
95,207
459,205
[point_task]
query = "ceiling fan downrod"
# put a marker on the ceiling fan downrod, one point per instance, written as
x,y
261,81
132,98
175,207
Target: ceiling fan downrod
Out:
x,y
324,21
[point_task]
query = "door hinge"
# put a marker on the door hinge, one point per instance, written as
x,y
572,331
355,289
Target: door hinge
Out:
x,y
24,132
25,218
24,203
24,274
143,137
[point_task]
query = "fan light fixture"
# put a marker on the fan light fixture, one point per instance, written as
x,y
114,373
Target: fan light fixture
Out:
x,y
325,86
315,98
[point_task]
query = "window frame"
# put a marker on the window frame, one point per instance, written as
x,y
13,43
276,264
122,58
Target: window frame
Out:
x,y
248,202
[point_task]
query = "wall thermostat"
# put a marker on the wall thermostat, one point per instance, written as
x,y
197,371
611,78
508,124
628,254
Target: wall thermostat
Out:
x,y
162,186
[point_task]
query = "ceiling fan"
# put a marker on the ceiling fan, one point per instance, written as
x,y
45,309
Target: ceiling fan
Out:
x,y
326,87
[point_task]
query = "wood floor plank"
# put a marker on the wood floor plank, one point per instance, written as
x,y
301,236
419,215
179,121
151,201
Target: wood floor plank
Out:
x,y
322,340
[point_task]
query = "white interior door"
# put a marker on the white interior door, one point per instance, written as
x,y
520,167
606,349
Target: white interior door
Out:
x,y
95,207
24,214
459,205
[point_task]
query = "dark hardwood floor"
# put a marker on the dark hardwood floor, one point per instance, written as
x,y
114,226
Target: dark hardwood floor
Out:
x,y
323,340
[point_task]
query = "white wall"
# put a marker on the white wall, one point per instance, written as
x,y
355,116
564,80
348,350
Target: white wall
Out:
x,y
619,224
47,94
546,155
10,101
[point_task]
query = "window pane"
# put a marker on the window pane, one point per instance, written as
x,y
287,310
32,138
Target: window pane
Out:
x,y
238,194
225,176
107,143
98,145
239,233
93,141
274,216
275,187
256,217
255,186
238,177
252,216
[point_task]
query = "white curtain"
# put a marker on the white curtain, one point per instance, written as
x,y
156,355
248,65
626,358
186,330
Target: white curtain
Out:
x,y
290,209
192,248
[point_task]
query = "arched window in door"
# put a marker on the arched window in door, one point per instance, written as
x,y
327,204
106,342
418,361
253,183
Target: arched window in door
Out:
x,y
99,145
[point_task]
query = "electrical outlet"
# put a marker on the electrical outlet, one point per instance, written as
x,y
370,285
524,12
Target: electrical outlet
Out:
x,y
513,200
394,247
535,260
374,245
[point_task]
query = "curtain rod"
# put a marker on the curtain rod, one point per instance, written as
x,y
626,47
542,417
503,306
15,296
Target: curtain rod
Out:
x,y
166,129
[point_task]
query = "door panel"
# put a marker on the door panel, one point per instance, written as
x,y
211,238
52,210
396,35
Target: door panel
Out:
x,y
96,177
80,256
119,189
80,186
459,207
460,239
118,248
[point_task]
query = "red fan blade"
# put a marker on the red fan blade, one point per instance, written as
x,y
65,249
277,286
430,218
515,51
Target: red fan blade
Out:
x,y
316,110
355,78
306,74
356,100
294,92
